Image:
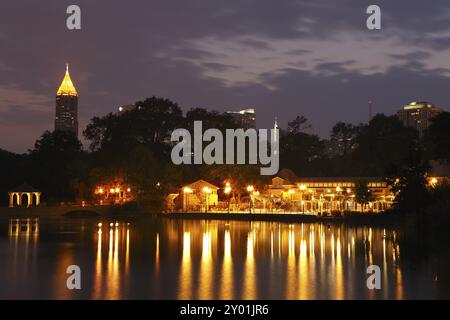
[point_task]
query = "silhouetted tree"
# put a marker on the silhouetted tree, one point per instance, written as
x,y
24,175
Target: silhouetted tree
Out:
x,y
409,184
52,167
439,137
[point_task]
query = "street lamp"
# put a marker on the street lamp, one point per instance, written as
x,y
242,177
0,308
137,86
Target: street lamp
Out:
x,y
227,192
186,191
250,189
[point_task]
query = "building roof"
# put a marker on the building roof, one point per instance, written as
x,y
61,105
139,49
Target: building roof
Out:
x,y
24,187
418,105
67,88
200,184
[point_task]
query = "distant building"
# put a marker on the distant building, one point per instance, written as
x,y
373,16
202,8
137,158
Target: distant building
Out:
x,y
245,119
66,117
418,115
125,108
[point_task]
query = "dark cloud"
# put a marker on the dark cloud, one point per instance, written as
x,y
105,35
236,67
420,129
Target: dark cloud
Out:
x,y
416,55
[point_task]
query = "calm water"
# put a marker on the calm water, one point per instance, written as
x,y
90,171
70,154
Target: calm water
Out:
x,y
177,259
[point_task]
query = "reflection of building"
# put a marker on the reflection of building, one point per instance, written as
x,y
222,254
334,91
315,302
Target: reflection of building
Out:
x,y
244,118
66,117
322,194
198,196
418,115
25,227
24,195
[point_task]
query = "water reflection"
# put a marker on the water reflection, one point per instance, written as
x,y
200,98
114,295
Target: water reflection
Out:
x,y
179,259
109,278
226,283
185,286
205,290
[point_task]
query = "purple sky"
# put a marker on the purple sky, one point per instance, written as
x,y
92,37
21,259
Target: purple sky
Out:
x,y
312,57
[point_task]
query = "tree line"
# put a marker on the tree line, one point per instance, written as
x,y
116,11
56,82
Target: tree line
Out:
x,y
134,147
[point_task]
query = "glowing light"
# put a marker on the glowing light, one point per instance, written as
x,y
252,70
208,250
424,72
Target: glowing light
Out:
x,y
67,88
207,190
434,181
128,190
250,188
227,188
302,187
187,190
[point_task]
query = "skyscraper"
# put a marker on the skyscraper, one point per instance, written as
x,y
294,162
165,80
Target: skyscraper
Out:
x,y
418,115
66,117
245,119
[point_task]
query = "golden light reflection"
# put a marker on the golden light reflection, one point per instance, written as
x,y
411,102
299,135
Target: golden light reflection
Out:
x,y
205,291
185,282
226,283
313,262
340,286
303,275
112,272
249,288
98,266
291,268
157,255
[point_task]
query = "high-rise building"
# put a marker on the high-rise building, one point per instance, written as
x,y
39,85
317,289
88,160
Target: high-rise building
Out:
x,y
245,119
66,117
418,115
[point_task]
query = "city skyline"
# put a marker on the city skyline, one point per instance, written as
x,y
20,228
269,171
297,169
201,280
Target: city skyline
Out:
x,y
210,56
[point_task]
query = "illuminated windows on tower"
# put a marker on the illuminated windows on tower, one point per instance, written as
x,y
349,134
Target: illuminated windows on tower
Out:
x,y
66,117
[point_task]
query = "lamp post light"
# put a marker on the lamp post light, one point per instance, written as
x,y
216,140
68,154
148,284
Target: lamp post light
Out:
x,y
250,189
186,191
227,192
339,194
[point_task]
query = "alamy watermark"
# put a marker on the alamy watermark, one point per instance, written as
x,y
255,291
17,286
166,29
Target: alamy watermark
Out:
x,y
260,149
73,282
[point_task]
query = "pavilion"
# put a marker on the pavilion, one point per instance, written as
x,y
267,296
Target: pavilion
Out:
x,y
31,193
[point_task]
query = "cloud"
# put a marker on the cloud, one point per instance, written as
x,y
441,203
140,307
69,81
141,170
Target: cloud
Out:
x,y
281,57
415,55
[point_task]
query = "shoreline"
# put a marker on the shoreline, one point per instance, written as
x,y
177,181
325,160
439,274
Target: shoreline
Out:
x,y
369,219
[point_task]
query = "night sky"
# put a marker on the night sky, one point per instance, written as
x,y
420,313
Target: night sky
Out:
x,y
314,58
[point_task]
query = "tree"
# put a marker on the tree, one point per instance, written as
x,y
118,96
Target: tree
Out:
x,y
362,193
52,167
299,150
343,136
439,136
150,124
298,125
383,143
409,184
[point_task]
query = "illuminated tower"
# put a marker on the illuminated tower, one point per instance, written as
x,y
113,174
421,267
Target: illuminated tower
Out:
x,y
66,117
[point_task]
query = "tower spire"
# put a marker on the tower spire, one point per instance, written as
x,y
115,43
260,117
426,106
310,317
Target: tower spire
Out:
x,y
67,88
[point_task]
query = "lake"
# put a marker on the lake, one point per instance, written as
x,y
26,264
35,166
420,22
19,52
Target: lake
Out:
x,y
160,258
